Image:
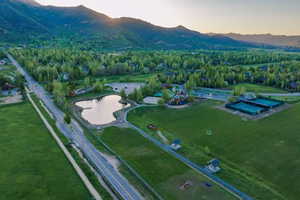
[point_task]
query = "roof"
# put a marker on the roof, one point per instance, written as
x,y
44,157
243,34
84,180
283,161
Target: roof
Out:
x,y
177,141
214,162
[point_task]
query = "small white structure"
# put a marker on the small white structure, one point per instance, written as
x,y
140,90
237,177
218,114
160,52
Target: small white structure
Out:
x,y
151,100
213,166
176,145
83,90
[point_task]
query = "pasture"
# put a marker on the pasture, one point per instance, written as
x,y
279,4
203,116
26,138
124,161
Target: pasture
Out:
x,y
163,172
32,165
260,157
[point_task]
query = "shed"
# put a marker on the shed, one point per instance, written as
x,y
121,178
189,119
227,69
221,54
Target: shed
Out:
x,y
214,165
176,145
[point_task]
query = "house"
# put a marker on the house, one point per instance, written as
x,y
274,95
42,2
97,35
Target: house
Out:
x,y
2,62
261,79
7,86
166,85
248,75
293,85
169,74
176,145
85,70
264,68
64,76
11,92
179,99
213,166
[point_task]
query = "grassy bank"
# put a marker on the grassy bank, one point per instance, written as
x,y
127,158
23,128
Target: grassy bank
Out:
x,y
288,99
260,157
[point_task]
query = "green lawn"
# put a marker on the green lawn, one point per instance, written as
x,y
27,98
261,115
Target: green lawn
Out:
x,y
259,88
288,99
261,157
128,78
32,165
164,173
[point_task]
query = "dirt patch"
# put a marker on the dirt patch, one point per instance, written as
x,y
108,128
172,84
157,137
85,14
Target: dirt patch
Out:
x,y
112,160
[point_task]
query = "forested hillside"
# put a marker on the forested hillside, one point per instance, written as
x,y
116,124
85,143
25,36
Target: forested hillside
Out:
x,y
27,21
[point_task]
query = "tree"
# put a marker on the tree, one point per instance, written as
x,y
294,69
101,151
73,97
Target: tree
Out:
x,y
87,82
207,150
67,119
232,99
59,92
239,90
191,99
139,95
165,95
123,95
161,102
99,86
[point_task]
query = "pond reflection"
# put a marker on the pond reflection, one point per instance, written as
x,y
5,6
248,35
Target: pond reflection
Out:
x,y
99,112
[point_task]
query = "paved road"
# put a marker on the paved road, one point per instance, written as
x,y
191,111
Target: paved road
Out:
x,y
224,95
296,94
75,133
189,163
79,171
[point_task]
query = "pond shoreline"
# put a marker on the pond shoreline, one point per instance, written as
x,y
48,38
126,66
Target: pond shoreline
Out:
x,y
119,114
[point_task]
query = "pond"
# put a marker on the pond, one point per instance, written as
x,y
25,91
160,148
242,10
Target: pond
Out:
x,y
100,112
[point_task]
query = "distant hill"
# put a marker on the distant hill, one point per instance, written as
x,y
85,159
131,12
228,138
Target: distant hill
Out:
x,y
276,40
26,20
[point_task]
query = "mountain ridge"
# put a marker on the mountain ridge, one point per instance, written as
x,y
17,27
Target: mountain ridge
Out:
x,y
269,39
26,20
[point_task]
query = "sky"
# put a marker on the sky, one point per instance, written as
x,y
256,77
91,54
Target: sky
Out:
x,y
280,17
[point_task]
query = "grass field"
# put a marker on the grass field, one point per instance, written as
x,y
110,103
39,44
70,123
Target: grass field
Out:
x,y
128,78
259,88
32,165
85,168
288,99
259,157
164,173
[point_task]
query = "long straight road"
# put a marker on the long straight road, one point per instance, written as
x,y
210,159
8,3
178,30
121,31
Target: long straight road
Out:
x,y
76,134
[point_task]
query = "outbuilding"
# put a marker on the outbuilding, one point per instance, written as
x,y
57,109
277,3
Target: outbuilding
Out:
x,y
214,166
176,145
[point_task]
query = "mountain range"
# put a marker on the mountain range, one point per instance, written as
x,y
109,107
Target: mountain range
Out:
x,y
269,39
25,21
